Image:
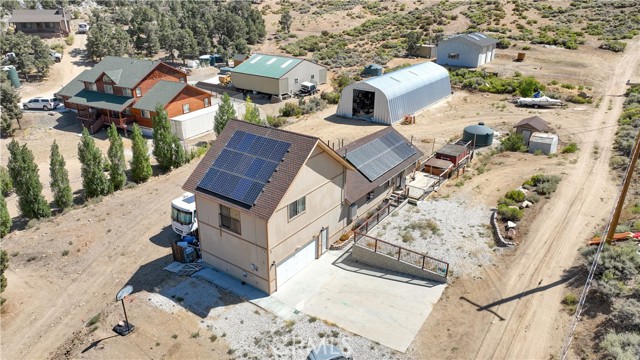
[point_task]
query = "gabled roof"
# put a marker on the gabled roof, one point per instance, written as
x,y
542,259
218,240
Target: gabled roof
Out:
x,y
535,122
161,93
301,146
476,38
31,16
102,100
125,72
270,66
357,185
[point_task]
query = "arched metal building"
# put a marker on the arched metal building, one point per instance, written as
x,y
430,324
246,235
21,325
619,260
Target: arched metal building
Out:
x,y
388,98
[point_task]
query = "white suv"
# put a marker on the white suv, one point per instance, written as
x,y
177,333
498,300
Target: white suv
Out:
x,y
83,28
41,103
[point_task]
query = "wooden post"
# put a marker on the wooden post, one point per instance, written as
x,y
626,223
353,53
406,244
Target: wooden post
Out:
x,y
423,259
375,246
399,250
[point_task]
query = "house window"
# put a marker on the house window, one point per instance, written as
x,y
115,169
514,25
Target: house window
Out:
x,y
185,108
370,195
182,80
295,81
453,55
108,89
127,111
145,114
91,86
126,92
138,92
48,25
106,78
312,77
230,219
206,102
297,207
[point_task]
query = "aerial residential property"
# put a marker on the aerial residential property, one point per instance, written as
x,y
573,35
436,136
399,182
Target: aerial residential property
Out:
x,y
123,91
319,180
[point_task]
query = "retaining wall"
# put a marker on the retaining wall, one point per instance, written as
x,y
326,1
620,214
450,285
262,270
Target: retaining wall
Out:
x,y
367,256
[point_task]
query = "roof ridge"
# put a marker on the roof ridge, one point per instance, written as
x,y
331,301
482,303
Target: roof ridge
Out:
x,y
270,128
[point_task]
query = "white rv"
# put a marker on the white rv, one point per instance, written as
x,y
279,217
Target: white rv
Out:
x,y
183,214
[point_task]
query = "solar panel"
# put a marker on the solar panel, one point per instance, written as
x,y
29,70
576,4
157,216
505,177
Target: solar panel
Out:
x,y
380,155
243,167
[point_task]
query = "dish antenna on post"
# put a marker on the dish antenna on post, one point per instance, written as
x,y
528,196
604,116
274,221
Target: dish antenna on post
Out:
x,y
124,328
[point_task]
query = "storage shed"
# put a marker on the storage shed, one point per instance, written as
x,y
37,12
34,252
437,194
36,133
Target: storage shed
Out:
x,y
276,75
388,98
466,50
479,135
453,153
530,125
545,142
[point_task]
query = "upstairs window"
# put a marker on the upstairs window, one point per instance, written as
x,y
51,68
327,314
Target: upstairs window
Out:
x,y
297,207
138,92
145,114
126,92
108,89
230,219
186,108
92,86
106,78
206,102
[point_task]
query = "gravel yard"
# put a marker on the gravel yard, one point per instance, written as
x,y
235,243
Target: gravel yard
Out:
x,y
254,333
449,229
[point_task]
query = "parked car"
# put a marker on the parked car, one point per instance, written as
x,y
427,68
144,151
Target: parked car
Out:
x,y
328,352
55,56
83,28
41,103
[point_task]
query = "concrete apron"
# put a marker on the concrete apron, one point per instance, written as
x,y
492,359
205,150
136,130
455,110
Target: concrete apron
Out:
x,y
379,305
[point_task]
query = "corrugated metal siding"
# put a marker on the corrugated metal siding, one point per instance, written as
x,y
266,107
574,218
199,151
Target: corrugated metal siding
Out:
x,y
401,92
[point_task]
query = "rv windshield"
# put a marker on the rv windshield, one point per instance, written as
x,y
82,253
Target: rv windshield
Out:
x,y
180,216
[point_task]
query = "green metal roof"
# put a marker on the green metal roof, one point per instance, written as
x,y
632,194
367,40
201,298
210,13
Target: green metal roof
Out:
x,y
270,66
161,93
125,72
102,100
72,88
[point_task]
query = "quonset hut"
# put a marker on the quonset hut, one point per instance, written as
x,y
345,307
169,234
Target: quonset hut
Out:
x,y
388,98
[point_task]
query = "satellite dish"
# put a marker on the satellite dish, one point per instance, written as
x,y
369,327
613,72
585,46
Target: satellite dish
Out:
x,y
124,292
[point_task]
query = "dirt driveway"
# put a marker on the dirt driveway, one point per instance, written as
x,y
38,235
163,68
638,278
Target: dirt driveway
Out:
x,y
513,310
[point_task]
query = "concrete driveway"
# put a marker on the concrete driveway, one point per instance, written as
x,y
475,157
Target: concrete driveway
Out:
x,y
382,306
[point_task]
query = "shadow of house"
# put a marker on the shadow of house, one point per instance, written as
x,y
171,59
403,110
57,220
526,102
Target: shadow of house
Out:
x,y
165,237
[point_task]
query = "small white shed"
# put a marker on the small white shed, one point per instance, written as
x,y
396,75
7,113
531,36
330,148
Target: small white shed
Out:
x,y
545,142
195,123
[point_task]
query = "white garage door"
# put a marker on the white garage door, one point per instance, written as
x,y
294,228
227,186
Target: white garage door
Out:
x,y
295,263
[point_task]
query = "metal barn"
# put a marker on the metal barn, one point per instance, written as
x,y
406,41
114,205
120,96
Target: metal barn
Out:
x,y
388,98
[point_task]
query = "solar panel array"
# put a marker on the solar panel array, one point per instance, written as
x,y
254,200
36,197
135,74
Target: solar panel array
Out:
x,y
380,155
244,166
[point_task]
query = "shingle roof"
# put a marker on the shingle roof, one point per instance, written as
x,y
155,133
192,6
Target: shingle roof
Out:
x,y
476,38
125,72
31,16
300,149
357,185
452,150
161,93
535,122
270,66
102,100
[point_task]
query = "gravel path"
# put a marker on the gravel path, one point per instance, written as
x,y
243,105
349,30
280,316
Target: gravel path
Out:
x,y
447,229
253,333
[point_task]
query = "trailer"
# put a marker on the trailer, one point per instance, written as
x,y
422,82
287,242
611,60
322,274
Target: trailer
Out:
x,y
183,215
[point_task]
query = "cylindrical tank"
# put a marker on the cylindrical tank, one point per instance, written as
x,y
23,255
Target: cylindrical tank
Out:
x,y
373,70
12,73
479,135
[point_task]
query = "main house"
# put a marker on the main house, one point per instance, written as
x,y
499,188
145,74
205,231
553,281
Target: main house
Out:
x,y
271,201
41,21
123,90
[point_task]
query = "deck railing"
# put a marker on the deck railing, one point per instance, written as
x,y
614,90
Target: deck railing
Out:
x,y
375,219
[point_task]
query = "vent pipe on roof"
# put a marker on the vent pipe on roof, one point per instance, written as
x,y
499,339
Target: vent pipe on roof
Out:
x,y
481,123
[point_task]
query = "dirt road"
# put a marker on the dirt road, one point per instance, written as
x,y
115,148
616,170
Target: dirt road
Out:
x,y
514,309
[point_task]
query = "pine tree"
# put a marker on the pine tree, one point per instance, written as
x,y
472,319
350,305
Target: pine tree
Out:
x,y
4,264
62,195
140,165
24,174
10,104
94,181
285,21
5,218
251,113
225,113
179,155
162,139
117,164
